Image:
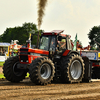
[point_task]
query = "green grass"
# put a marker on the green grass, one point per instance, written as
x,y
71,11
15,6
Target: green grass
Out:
x,y
1,63
2,76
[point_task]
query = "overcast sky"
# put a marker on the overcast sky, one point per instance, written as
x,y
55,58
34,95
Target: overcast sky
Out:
x,y
73,16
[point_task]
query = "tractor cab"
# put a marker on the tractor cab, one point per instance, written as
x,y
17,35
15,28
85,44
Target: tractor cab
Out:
x,y
55,42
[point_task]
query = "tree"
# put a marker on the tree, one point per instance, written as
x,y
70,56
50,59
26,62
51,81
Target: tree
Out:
x,y
20,33
94,36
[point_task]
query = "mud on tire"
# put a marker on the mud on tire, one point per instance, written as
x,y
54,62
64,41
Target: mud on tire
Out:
x,y
72,69
41,71
11,72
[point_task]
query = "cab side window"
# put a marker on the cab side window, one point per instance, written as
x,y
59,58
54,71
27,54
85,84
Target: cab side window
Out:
x,y
53,44
62,44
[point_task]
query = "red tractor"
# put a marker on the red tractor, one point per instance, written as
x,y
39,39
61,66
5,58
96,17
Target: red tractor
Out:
x,y
54,59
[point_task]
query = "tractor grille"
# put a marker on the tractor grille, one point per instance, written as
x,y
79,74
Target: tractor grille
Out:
x,y
23,58
23,49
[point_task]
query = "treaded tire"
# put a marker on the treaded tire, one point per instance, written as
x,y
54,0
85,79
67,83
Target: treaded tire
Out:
x,y
36,74
11,72
96,73
72,69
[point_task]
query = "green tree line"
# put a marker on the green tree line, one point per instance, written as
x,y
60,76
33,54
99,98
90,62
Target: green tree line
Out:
x,y
20,33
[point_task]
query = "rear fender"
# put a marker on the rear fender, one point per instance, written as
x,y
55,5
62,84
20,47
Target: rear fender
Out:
x,y
69,52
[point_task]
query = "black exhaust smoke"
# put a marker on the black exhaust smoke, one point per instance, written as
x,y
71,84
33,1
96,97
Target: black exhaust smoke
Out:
x,y
41,8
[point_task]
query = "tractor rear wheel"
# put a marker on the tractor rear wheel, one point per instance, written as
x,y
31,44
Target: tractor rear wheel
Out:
x,y
72,69
41,71
11,72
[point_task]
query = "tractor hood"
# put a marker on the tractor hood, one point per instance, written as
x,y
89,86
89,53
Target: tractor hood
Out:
x,y
27,55
39,51
31,51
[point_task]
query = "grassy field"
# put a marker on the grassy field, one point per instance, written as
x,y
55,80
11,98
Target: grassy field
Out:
x,y
1,63
2,76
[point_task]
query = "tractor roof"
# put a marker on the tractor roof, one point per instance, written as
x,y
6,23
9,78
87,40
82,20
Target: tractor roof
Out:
x,y
55,32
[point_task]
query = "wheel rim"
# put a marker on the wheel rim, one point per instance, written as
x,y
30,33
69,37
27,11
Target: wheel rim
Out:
x,y
45,71
16,71
76,69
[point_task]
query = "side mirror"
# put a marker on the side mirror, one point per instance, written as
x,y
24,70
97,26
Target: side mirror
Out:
x,y
59,38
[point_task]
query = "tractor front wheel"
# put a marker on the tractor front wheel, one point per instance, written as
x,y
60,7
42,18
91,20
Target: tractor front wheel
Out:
x,y
11,72
41,71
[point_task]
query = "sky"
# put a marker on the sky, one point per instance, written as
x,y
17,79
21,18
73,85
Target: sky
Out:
x,y
72,16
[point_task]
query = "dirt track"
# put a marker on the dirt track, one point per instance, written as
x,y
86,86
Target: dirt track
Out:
x,y
26,90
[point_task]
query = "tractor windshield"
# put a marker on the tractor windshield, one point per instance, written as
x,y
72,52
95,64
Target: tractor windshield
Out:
x,y
47,43
44,42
